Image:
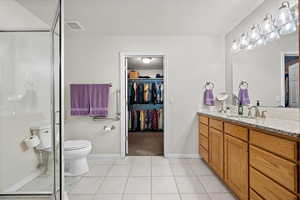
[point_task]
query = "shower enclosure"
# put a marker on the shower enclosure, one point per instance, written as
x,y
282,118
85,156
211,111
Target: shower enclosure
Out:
x,y
30,84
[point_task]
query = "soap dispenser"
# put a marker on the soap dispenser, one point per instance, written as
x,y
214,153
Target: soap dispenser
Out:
x,y
240,109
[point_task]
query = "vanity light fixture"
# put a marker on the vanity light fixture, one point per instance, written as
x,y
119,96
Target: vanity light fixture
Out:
x,y
146,60
235,46
244,41
285,20
254,34
295,13
269,29
255,37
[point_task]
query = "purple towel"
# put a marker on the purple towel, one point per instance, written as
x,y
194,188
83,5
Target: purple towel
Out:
x,y
80,100
209,97
99,94
244,97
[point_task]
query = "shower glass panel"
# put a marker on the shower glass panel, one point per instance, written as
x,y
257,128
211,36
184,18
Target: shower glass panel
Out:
x,y
25,81
29,113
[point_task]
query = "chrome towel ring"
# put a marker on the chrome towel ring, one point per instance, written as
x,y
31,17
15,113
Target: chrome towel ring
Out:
x,y
209,85
243,85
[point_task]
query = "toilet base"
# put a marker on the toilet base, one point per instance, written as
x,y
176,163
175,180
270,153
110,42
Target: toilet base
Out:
x,y
76,167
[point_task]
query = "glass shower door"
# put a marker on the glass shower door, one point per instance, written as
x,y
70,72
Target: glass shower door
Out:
x,y
57,106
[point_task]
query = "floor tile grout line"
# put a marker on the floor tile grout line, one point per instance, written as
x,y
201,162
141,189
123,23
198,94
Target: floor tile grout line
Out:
x,y
151,196
104,178
177,187
125,187
101,184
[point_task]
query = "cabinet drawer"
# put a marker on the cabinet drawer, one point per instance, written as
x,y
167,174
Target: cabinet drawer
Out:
x,y
236,131
279,146
216,124
254,195
268,189
203,129
203,153
203,142
203,119
282,171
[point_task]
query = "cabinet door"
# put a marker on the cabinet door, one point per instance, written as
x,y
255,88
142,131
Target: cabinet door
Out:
x,y
236,165
216,151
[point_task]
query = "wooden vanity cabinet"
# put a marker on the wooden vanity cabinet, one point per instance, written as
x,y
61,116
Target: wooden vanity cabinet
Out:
x,y
236,165
254,164
203,138
216,153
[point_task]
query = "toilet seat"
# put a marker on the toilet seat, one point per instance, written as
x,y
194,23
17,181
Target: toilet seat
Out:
x,y
71,145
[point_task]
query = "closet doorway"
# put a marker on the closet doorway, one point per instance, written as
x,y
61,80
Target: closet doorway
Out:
x,y
143,114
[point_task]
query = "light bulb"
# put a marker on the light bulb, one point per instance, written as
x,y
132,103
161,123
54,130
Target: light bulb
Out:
x,y
244,41
254,34
250,46
261,41
287,28
272,36
268,26
285,15
234,46
146,60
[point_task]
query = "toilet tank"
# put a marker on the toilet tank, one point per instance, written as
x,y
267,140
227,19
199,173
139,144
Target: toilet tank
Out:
x,y
44,132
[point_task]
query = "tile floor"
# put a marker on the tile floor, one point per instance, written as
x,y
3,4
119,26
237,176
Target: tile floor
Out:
x,y
147,178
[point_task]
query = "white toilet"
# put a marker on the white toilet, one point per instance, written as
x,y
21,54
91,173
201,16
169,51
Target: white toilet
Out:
x,y
75,151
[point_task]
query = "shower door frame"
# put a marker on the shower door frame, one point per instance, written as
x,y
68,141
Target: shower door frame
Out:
x,y
58,185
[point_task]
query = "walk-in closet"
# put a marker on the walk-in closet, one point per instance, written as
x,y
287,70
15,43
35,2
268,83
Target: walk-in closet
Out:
x,y
145,89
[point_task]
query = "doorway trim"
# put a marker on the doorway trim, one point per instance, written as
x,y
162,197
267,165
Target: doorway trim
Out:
x,y
123,79
282,79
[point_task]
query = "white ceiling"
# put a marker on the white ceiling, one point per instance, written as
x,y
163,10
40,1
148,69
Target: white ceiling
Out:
x,y
136,63
14,16
159,17
43,9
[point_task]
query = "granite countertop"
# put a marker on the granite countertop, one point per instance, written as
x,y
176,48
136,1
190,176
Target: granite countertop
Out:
x,y
280,126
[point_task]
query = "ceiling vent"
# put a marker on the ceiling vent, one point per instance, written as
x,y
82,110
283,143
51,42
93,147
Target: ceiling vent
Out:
x,y
75,26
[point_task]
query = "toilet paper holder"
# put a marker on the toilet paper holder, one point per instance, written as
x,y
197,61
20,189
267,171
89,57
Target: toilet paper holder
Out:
x,y
32,141
109,128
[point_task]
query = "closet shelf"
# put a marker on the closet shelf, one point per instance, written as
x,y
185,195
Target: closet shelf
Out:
x,y
145,131
146,106
146,79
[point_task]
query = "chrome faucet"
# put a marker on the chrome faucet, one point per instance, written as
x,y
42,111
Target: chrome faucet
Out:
x,y
257,113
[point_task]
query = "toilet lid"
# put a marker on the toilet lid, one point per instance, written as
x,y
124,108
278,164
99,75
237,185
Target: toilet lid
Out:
x,y
76,144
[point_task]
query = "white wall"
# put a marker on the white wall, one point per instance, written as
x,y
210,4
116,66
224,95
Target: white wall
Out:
x,y
24,70
191,61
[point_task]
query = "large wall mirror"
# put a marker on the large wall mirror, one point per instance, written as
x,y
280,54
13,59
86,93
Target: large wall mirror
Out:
x,y
269,69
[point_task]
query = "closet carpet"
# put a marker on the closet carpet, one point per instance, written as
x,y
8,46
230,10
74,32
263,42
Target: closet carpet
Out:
x,y
145,144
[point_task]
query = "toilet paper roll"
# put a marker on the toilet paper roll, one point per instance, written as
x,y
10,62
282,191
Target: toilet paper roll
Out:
x,y
32,141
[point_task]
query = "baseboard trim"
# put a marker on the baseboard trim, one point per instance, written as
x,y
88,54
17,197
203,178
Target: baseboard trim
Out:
x,y
101,156
171,155
24,181
192,156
